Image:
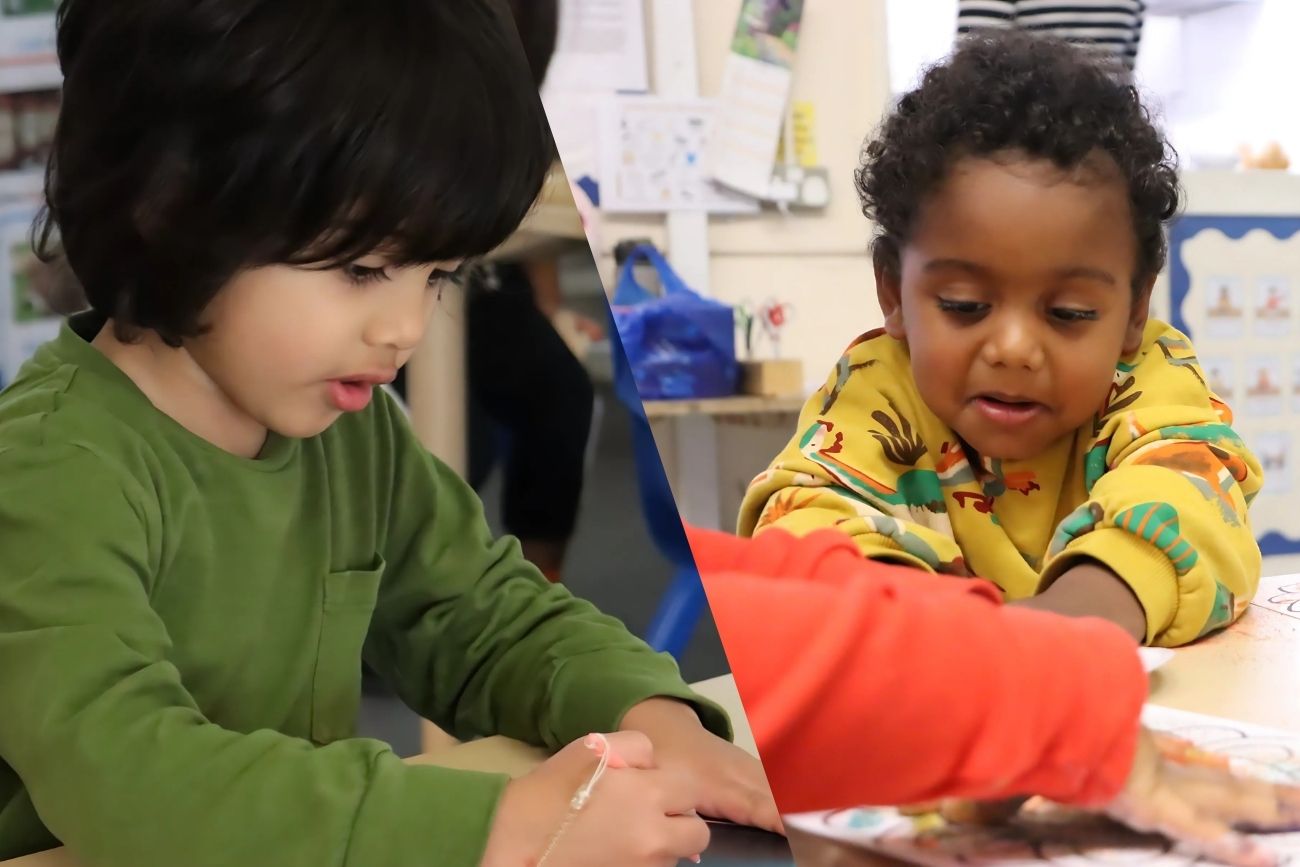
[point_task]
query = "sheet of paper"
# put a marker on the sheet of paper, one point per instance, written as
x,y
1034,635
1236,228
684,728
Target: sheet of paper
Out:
x,y
755,91
651,158
1046,834
1280,593
600,47
575,125
1154,657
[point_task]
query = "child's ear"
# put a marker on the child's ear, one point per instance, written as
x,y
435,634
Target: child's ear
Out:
x,y
1137,320
889,286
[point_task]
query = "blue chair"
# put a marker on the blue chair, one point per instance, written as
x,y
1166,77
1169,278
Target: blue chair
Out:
x,y
684,602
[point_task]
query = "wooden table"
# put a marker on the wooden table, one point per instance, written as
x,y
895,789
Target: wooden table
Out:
x,y
725,407
707,477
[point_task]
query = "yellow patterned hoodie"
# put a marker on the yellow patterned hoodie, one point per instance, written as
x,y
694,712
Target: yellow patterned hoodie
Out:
x,y
1156,487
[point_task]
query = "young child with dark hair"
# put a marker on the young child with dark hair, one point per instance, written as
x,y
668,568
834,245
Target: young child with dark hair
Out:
x,y
1019,417
210,515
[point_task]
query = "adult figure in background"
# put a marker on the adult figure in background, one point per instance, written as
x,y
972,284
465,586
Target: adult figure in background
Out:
x,y
530,398
1111,27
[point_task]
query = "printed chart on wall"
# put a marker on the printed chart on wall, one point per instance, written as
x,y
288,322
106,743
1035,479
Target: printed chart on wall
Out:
x,y
755,91
652,152
1046,834
1234,284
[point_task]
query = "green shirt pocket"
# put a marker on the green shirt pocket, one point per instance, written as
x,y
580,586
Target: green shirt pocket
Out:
x,y
347,606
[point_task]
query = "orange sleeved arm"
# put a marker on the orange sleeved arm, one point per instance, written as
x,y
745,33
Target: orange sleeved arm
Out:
x,y
868,683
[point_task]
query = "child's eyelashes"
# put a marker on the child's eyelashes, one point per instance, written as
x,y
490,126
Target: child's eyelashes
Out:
x,y
1072,314
362,275
971,310
964,309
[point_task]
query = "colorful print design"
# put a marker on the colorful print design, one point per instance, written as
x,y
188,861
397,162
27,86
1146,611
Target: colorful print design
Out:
x,y
917,489
1080,522
912,544
1179,353
1223,612
1157,523
1211,470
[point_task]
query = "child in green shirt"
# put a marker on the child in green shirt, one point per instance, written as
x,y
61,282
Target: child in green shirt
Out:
x,y
209,515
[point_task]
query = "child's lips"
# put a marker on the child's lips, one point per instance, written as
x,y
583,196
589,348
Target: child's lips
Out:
x,y
1007,410
350,395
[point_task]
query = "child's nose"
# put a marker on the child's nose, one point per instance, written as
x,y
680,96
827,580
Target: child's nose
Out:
x,y
399,325
1014,343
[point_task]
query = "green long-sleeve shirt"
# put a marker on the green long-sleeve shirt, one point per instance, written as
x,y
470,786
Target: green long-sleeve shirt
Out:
x,y
182,630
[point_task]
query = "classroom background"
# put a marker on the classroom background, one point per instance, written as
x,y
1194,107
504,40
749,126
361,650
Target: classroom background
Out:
x,y
730,145
635,91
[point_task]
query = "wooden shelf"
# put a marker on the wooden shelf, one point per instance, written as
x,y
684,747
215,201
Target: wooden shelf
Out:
x,y
740,404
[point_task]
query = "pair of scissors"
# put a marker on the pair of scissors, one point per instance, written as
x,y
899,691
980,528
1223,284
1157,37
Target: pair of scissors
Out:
x,y
745,317
774,316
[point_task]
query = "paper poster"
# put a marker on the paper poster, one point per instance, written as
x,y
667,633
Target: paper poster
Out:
x,y
1225,311
1046,834
1273,449
1274,306
1295,385
1233,284
755,93
29,292
652,158
600,47
1264,387
1221,377
576,127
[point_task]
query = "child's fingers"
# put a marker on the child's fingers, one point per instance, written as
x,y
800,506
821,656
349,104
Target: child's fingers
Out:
x,y
1183,752
627,749
1243,801
688,836
1180,821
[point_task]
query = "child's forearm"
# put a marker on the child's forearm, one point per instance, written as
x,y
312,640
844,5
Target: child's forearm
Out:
x,y
1089,589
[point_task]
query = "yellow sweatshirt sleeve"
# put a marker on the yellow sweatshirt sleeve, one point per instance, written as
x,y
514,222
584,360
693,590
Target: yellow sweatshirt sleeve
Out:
x,y
859,463
1169,483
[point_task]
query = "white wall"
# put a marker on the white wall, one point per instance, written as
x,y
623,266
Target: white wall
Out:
x,y
816,261
1217,79
1240,80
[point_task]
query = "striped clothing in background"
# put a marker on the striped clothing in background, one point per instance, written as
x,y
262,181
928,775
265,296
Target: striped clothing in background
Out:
x,y
1110,26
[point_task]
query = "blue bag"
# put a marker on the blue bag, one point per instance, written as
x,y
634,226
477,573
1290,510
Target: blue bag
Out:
x,y
679,345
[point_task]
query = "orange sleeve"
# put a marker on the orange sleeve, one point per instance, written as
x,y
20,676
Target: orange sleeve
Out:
x,y
867,683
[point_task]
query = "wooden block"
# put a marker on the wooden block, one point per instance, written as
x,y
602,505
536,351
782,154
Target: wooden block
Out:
x,y
771,377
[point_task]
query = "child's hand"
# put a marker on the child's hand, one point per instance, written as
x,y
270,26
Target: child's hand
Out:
x,y
1190,796
731,782
1200,803
637,815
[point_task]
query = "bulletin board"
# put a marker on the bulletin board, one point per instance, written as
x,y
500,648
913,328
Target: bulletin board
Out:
x,y
1234,289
